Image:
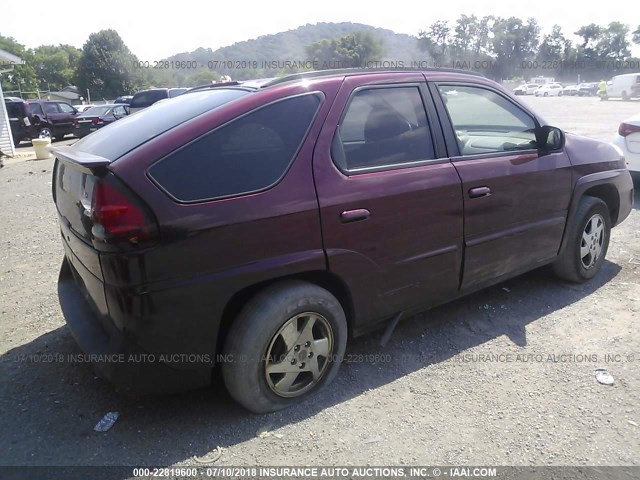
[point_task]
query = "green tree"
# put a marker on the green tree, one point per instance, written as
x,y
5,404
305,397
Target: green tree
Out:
x,y
354,50
636,35
107,67
436,40
202,76
23,77
513,42
554,46
56,66
612,42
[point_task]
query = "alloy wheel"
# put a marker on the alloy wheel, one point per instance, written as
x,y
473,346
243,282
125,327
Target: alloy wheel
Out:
x,y
299,354
592,241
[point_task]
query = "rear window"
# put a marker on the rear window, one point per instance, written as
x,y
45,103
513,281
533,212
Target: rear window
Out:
x,y
14,110
124,135
174,92
96,111
246,155
147,98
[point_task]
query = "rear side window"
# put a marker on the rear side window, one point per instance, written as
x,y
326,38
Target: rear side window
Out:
x,y
383,127
247,155
35,109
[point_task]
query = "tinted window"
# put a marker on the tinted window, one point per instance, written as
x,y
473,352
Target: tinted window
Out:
x,y
486,122
66,108
51,108
147,98
134,130
14,110
96,111
383,127
120,111
35,109
174,92
246,155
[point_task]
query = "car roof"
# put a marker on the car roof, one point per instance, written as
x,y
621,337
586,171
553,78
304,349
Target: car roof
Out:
x,y
361,71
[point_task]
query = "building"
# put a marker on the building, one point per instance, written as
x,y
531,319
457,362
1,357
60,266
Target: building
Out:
x,y
7,61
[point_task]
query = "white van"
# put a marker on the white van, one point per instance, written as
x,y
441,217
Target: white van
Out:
x,y
624,86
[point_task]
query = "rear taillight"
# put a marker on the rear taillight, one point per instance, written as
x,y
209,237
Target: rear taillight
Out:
x,y
118,217
626,129
75,122
97,121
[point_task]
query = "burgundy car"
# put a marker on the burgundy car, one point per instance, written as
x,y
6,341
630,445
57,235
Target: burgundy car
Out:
x,y
258,228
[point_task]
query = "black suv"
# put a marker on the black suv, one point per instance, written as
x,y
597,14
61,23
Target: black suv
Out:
x,y
51,118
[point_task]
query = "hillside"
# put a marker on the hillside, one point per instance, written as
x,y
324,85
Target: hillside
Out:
x,y
253,58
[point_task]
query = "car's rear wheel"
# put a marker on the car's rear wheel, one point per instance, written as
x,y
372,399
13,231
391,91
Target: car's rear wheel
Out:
x,y
45,132
625,96
587,242
284,346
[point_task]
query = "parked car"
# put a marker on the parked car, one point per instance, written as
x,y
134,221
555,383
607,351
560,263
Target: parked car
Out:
x,y
20,120
97,117
570,90
549,90
625,86
51,119
82,108
628,140
146,98
526,89
256,229
587,89
126,99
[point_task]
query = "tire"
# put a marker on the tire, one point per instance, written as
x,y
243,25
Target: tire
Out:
x,y
625,96
45,132
256,339
58,137
587,242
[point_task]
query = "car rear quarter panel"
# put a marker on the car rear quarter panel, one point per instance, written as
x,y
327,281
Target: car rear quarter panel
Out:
x,y
173,295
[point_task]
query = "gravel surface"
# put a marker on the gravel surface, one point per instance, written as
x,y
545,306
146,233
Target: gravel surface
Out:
x,y
505,376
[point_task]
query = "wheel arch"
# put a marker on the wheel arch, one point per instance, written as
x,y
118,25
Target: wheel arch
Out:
x,y
609,195
322,278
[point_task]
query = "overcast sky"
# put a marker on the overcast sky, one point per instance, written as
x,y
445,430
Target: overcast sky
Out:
x,y
156,30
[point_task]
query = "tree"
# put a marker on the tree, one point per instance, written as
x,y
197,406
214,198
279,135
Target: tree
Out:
x,y
513,42
612,42
435,40
355,50
107,67
56,66
636,35
554,46
23,77
202,76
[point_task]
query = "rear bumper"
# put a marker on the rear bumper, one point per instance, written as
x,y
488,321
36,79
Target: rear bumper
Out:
x,y
115,356
632,158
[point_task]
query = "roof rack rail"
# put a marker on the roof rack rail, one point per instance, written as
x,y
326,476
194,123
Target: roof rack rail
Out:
x,y
360,71
213,85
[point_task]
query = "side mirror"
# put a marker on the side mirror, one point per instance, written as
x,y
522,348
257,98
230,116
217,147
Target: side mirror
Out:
x,y
550,139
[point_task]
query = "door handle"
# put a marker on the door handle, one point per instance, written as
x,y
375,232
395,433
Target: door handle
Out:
x,y
478,192
349,216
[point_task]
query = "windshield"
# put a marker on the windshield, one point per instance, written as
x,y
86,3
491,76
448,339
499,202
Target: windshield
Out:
x,y
124,135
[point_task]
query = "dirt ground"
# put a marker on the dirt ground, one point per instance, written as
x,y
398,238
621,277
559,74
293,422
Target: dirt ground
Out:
x,y
502,377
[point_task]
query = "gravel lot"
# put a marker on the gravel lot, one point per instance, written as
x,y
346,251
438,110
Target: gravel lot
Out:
x,y
433,399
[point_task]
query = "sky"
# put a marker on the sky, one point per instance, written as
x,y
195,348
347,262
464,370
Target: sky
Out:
x,y
158,29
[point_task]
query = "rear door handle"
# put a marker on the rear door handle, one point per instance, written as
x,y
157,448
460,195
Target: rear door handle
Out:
x,y
478,192
349,216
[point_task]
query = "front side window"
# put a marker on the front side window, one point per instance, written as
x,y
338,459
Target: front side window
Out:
x,y
383,127
66,108
51,108
486,122
247,155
